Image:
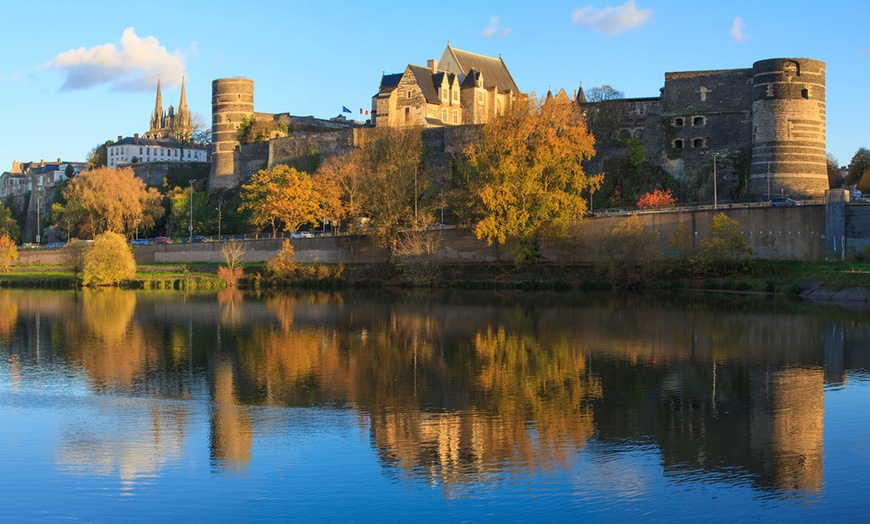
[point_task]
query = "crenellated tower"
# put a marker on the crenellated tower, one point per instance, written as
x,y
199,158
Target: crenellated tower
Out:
x,y
788,128
232,100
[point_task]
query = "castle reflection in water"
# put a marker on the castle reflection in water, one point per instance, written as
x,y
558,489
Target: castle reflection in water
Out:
x,y
450,389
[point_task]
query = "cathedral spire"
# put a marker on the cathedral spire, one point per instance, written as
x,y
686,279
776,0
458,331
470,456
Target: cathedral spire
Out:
x,y
182,105
157,116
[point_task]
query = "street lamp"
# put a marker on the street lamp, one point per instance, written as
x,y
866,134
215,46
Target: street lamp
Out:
x,y
220,203
38,211
190,227
715,195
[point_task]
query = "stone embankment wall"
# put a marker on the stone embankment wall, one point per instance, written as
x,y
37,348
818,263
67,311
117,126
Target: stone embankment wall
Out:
x,y
779,233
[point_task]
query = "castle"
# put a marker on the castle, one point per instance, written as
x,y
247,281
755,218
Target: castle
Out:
x,y
460,89
752,132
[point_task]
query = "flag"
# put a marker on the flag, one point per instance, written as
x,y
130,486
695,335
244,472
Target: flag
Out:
x,y
363,111
344,109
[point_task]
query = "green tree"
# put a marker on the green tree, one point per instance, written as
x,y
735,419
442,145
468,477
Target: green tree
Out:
x,y
98,156
106,199
859,165
109,261
281,197
8,225
252,130
526,170
726,244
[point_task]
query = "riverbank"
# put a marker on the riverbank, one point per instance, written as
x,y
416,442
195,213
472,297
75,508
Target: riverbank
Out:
x,y
819,281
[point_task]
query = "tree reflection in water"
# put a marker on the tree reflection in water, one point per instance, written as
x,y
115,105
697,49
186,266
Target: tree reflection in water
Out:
x,y
455,390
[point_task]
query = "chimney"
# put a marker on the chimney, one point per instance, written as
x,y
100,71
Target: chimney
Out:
x,y
16,166
135,138
119,138
59,160
431,65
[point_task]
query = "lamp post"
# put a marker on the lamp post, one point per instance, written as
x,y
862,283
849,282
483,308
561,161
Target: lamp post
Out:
x,y
715,195
190,227
220,203
38,211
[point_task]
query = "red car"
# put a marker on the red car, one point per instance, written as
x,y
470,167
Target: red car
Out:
x,y
162,240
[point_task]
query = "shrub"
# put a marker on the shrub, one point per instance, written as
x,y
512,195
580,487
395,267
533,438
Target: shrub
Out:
x,y
109,261
230,275
8,252
283,265
656,200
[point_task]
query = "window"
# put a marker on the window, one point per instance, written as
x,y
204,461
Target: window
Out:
x,y
698,121
698,142
407,114
455,116
455,96
678,122
444,116
140,150
409,93
805,93
480,96
678,143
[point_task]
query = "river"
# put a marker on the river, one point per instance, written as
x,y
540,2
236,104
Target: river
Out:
x,y
377,406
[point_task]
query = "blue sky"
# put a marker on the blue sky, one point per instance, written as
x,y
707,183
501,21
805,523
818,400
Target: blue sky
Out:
x,y
75,74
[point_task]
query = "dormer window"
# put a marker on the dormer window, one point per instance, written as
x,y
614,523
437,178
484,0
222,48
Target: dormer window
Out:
x,y
679,122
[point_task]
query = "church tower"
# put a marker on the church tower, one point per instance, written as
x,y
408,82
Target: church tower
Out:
x,y
183,125
157,115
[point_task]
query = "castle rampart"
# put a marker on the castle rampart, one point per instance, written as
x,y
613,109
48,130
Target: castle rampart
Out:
x,y
232,101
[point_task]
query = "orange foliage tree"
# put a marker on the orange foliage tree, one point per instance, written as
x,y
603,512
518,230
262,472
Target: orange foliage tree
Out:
x,y
657,200
281,196
525,170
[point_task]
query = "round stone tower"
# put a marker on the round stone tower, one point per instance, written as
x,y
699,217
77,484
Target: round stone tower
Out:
x,y
232,100
788,128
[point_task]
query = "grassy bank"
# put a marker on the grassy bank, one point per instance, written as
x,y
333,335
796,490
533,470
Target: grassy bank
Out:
x,y
790,278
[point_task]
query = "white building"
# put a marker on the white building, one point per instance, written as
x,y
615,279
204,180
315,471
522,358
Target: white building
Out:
x,y
138,150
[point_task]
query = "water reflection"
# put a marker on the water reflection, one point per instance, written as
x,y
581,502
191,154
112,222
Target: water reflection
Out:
x,y
454,390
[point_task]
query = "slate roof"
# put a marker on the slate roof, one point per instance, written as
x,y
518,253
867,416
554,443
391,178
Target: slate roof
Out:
x,y
154,142
390,80
495,72
423,75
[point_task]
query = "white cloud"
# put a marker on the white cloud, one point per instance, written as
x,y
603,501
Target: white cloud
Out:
x,y
737,31
495,30
134,67
612,20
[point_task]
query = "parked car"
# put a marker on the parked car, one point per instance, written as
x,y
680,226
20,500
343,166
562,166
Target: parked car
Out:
x,y
140,242
782,201
197,238
55,245
301,234
615,212
162,240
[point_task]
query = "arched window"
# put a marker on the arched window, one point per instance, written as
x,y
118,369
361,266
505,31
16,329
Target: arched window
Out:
x,y
698,142
678,143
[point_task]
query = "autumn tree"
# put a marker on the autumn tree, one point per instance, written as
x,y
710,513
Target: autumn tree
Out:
x,y
391,181
525,171
109,261
658,199
338,180
104,199
281,197
8,252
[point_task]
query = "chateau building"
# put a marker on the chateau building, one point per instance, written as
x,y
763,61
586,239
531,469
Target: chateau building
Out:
x,y
462,88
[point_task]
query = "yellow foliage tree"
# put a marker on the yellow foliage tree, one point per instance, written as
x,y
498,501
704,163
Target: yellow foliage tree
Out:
x,y
283,265
109,261
281,197
8,252
105,199
525,171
